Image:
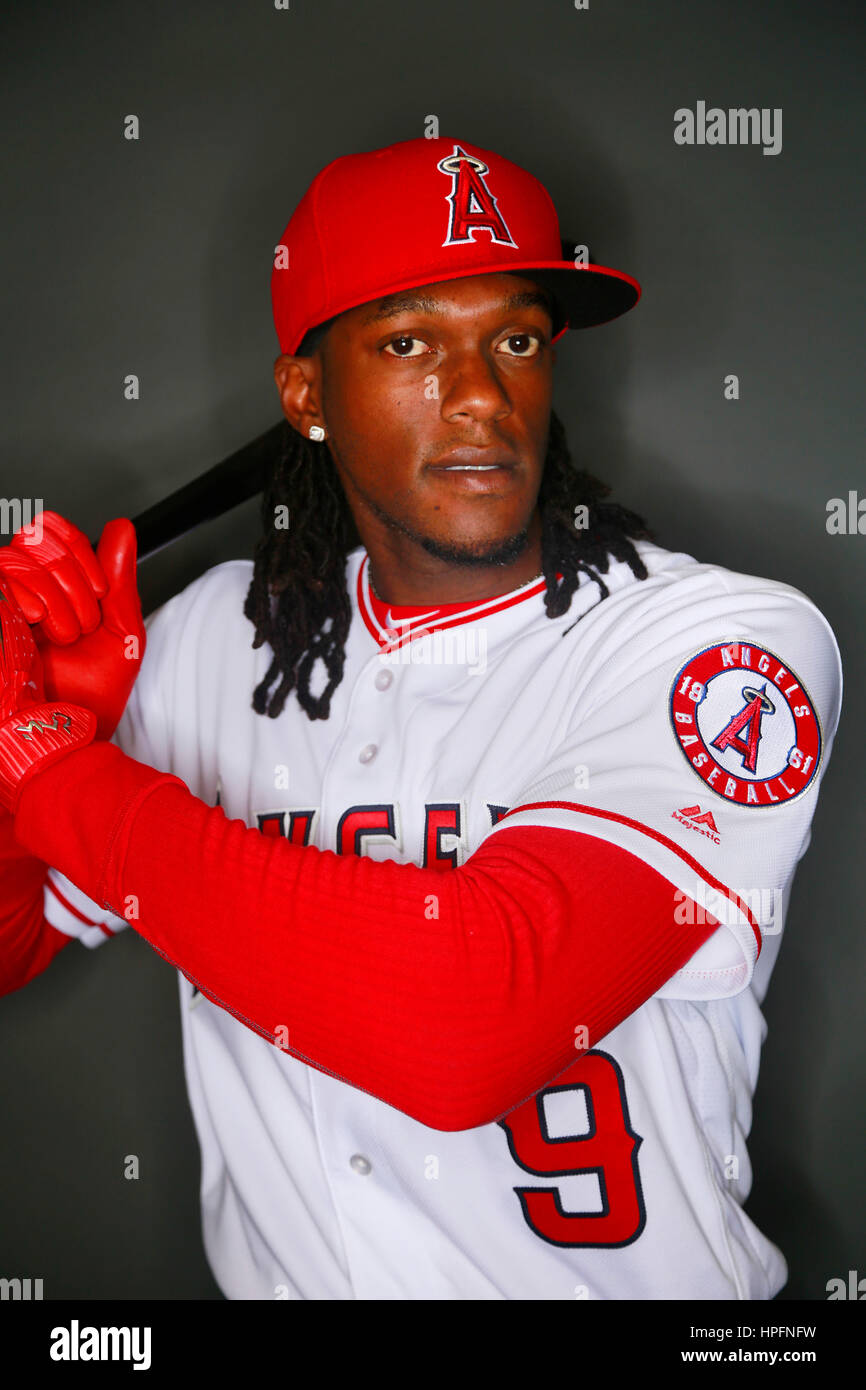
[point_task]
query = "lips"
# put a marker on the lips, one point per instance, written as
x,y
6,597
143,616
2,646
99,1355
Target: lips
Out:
x,y
472,460
477,472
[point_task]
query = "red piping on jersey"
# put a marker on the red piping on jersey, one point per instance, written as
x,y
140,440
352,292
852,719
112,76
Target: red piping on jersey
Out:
x,y
64,902
454,613
655,835
453,996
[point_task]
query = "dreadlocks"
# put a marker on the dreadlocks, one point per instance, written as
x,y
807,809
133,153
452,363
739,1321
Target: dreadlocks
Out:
x,y
298,600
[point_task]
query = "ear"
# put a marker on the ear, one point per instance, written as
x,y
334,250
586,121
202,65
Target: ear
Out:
x,y
299,382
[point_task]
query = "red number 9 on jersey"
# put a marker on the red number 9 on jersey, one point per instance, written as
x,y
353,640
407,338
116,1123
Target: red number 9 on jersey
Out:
x,y
609,1151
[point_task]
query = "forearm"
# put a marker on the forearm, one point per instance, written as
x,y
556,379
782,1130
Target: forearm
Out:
x,y
28,943
451,995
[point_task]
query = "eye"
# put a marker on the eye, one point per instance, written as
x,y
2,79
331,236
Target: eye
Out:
x,y
523,344
402,340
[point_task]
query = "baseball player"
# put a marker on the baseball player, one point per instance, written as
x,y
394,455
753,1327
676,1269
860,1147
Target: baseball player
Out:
x,y
467,813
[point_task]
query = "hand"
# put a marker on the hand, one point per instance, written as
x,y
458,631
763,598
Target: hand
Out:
x,y
85,609
21,682
33,732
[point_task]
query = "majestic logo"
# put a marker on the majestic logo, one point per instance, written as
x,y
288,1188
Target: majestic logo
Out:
x,y
746,725
473,206
26,730
695,819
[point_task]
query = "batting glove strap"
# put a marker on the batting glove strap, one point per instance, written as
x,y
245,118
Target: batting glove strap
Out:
x,y
36,737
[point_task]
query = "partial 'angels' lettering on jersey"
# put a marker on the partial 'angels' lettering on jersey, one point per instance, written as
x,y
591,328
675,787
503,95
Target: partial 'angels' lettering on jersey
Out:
x,y
443,819
473,206
362,825
295,826
608,1152
444,841
746,724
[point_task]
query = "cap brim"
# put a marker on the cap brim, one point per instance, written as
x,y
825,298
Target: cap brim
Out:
x,y
586,295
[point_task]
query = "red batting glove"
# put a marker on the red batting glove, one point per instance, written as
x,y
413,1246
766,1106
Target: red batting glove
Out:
x,y
33,732
85,608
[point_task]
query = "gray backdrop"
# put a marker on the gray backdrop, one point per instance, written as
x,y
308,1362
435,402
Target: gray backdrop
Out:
x,y
154,257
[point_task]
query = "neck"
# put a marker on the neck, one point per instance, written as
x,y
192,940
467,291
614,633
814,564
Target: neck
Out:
x,y
405,576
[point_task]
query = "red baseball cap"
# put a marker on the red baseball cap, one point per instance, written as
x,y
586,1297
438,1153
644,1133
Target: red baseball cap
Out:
x,y
422,211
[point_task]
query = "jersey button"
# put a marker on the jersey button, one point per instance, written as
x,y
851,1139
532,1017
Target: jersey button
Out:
x,y
383,680
361,1164
367,754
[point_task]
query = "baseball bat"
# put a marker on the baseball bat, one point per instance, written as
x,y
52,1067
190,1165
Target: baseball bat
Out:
x,y
210,495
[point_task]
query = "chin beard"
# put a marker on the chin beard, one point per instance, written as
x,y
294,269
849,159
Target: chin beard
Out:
x,y
503,552
475,554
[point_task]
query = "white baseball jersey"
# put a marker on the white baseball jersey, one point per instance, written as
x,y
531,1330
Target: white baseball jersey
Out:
x,y
687,718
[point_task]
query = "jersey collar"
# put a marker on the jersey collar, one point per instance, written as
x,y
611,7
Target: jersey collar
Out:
x,y
392,624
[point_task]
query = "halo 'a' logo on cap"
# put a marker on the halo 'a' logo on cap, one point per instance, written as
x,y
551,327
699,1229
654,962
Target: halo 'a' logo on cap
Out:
x,y
746,725
473,206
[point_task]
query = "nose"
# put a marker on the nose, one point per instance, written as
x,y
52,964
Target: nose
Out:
x,y
471,388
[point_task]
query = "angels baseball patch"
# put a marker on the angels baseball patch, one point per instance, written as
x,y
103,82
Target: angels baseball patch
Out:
x,y
746,725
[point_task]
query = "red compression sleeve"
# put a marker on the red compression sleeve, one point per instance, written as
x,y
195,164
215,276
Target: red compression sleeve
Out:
x,y
453,996
28,943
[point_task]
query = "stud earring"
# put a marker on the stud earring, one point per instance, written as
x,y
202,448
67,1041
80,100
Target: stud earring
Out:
x,y
317,433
